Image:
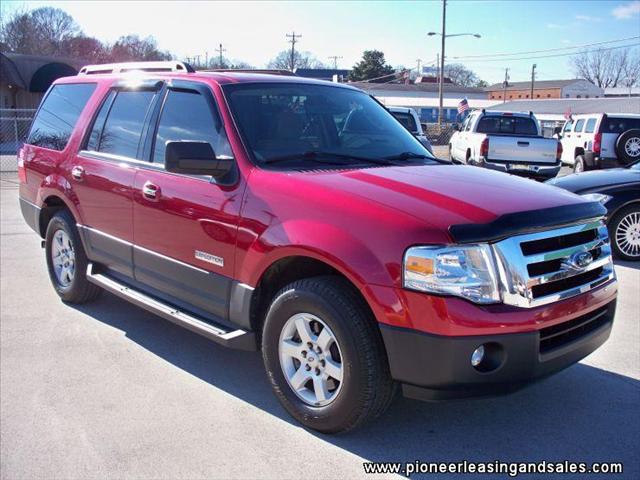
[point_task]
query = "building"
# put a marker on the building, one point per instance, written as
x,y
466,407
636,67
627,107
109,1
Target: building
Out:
x,y
622,92
575,88
25,78
423,97
323,73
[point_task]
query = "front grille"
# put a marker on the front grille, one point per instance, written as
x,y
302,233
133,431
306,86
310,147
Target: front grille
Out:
x,y
545,267
562,334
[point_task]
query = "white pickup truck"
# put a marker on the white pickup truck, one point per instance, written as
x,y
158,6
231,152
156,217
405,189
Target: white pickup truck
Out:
x,y
506,141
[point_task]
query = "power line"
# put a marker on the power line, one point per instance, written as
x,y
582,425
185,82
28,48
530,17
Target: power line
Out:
x,y
547,50
547,56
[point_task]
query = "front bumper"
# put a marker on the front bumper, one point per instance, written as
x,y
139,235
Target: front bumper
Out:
x,y
434,367
523,169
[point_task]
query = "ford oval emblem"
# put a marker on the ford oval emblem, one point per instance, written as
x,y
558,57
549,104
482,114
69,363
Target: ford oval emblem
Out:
x,y
580,260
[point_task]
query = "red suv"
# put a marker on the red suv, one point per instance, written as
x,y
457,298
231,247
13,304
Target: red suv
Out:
x,y
299,217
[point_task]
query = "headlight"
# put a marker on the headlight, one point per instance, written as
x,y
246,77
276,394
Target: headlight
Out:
x,y
596,197
466,271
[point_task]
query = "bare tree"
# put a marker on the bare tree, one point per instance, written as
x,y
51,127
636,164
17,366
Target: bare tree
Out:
x,y
461,75
282,61
43,31
608,68
134,48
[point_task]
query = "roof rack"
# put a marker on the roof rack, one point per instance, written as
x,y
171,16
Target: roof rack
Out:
x,y
285,73
136,66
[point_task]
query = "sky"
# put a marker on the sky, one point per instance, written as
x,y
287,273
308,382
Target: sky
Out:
x,y
254,32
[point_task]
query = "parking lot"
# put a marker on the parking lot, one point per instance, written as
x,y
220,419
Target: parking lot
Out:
x,y
107,389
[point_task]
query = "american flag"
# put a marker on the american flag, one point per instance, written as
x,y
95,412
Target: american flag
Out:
x,y
463,106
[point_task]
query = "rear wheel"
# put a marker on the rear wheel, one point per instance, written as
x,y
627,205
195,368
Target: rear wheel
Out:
x,y
624,230
67,261
578,166
324,355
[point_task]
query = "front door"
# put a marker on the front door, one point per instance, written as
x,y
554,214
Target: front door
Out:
x,y
185,226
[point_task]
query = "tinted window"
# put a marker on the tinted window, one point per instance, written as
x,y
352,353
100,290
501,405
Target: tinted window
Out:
x,y
58,115
619,125
579,125
289,120
188,116
406,120
96,130
123,128
567,126
494,124
591,126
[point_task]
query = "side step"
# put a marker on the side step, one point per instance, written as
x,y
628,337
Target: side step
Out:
x,y
239,339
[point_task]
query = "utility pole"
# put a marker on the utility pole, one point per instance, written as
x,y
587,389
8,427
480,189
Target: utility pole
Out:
x,y
335,59
418,61
206,59
220,51
441,86
533,78
293,36
505,85
197,60
438,66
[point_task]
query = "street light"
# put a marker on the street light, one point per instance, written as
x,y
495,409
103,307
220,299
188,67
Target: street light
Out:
x,y
444,37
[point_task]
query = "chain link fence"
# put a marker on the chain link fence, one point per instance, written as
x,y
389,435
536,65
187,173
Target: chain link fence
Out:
x,y
14,127
439,136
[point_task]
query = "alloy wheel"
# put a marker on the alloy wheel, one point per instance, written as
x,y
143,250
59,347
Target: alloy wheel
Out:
x,y
311,360
632,147
628,234
63,258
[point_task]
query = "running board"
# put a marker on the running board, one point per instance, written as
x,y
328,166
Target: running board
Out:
x,y
239,339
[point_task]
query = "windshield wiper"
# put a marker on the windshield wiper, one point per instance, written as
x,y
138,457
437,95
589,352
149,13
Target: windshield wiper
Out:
x,y
316,155
408,156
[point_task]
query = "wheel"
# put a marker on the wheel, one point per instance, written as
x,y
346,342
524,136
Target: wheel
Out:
x,y
578,166
624,230
324,355
67,260
628,146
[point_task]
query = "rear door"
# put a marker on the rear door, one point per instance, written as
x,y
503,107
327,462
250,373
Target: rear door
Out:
x,y
612,127
104,171
567,142
185,226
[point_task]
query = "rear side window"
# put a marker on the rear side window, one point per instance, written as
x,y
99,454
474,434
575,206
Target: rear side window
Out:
x,y
509,125
123,126
619,125
59,114
590,127
579,125
406,120
567,126
187,115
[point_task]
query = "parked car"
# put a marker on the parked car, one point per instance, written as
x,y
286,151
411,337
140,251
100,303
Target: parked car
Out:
x,y
506,141
411,121
600,140
299,218
618,190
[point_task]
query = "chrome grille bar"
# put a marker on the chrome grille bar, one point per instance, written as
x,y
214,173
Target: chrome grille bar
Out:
x,y
518,286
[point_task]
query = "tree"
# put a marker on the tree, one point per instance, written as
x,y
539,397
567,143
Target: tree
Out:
x,y
214,63
133,48
608,68
462,76
372,65
282,61
43,31
86,48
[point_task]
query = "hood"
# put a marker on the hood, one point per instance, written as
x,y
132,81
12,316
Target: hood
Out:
x,y
595,179
437,195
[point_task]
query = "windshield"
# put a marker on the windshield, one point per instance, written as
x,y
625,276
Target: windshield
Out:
x,y
290,121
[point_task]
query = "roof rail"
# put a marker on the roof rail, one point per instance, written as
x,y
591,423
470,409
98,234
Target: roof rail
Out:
x,y
170,66
285,73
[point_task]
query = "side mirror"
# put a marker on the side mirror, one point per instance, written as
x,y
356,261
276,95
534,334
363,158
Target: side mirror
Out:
x,y
557,130
195,158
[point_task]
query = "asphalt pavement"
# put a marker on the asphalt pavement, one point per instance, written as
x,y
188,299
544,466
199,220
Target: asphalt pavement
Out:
x,y
107,390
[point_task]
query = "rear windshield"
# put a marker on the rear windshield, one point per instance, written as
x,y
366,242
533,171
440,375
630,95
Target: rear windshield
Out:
x,y
58,115
406,120
619,125
509,125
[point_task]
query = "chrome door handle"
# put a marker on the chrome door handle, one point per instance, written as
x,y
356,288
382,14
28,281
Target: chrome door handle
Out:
x,y
150,190
77,172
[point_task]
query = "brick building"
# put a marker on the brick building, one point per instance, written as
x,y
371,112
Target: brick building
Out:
x,y
574,88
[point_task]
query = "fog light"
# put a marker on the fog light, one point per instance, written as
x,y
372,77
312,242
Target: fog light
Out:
x,y
477,356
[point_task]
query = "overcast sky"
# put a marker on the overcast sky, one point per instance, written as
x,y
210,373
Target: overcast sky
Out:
x,y
255,31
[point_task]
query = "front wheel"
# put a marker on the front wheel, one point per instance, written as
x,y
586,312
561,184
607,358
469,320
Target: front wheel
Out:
x,y
578,166
624,230
324,355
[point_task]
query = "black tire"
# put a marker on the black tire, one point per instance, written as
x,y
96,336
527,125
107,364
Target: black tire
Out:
x,y
78,290
617,245
367,388
579,164
625,146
